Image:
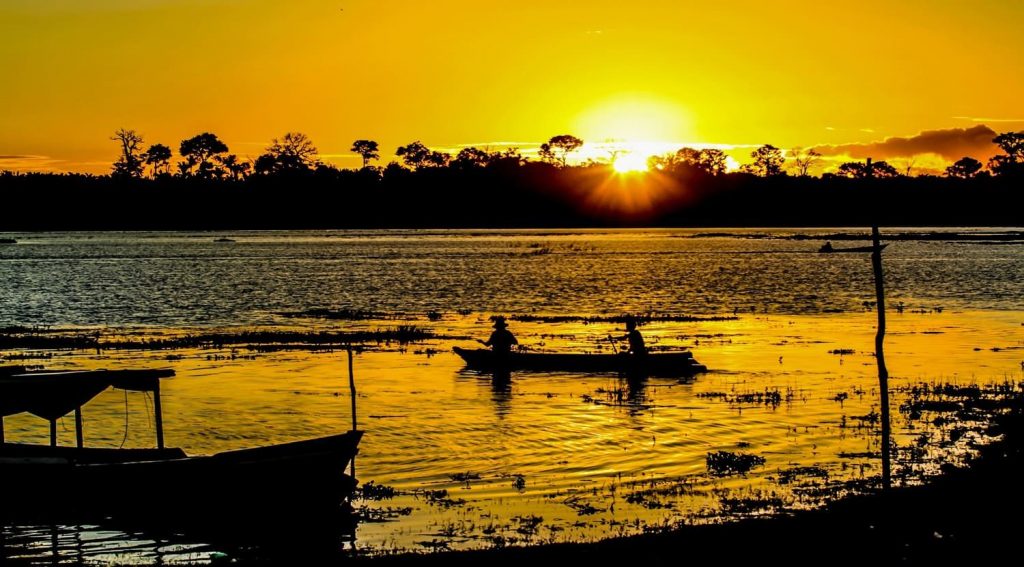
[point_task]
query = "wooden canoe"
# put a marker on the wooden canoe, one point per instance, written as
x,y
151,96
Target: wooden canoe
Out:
x,y
653,364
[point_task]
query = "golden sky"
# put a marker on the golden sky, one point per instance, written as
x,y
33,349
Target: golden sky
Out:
x,y
455,72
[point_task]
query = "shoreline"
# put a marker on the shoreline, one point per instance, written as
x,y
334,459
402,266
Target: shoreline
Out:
x,y
957,517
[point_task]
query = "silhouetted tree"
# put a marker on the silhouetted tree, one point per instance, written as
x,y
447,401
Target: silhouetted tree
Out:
x,y
293,152
131,161
416,155
804,160
868,169
558,148
468,158
712,161
158,157
508,158
768,161
964,168
367,149
237,168
198,151
264,164
1012,144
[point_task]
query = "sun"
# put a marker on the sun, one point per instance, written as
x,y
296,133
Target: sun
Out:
x,y
630,162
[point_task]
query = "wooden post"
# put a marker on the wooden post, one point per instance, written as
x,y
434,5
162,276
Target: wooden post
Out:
x,y
883,372
79,436
352,387
53,432
352,391
159,416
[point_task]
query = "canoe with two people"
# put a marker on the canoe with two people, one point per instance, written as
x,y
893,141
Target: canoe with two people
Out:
x,y
634,360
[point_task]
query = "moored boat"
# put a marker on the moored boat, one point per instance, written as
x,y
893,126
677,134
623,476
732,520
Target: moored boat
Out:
x,y
653,364
304,478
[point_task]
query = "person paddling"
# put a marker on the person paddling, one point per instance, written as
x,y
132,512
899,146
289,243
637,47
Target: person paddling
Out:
x,y
636,340
502,339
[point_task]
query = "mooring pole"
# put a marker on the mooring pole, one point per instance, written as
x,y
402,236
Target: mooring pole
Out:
x,y
352,392
158,413
79,435
53,432
883,372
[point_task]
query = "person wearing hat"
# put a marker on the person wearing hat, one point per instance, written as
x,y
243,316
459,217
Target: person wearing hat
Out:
x,y
502,339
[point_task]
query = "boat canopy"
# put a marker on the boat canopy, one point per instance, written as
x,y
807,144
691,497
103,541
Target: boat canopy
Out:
x,y
52,395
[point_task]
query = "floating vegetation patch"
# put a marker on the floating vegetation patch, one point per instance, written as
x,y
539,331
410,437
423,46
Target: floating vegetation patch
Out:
x,y
753,505
772,397
788,476
338,314
440,498
641,319
375,492
464,477
580,507
257,340
528,524
842,351
724,463
385,514
27,356
19,337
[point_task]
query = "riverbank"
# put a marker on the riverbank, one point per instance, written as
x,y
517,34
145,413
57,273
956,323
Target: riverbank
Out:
x,y
968,515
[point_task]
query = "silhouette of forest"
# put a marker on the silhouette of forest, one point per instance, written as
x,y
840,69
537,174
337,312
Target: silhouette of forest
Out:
x,y
288,187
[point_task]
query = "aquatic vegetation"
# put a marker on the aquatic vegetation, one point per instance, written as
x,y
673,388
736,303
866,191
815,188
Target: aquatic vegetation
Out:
x,y
640,318
375,492
787,476
386,514
769,397
580,507
342,314
256,340
753,505
723,463
440,498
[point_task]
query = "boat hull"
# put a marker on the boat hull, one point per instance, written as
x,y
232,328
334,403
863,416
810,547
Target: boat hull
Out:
x,y
305,478
654,364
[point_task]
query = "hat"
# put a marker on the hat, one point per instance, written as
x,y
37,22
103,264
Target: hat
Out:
x,y
499,322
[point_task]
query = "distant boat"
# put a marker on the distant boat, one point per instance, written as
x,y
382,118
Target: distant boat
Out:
x,y
224,240
8,241
828,249
653,364
291,480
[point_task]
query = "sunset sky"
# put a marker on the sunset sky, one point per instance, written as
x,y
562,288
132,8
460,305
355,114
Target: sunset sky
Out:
x,y
450,73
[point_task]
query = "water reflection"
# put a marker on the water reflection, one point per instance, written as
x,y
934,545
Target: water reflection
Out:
x,y
133,541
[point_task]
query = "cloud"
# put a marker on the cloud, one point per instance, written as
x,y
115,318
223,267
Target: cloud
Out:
x,y
27,162
952,144
973,119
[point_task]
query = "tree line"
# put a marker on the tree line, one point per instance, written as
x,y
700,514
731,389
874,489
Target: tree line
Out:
x,y
287,186
205,156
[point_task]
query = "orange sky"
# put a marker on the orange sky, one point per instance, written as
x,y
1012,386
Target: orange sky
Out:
x,y
454,72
